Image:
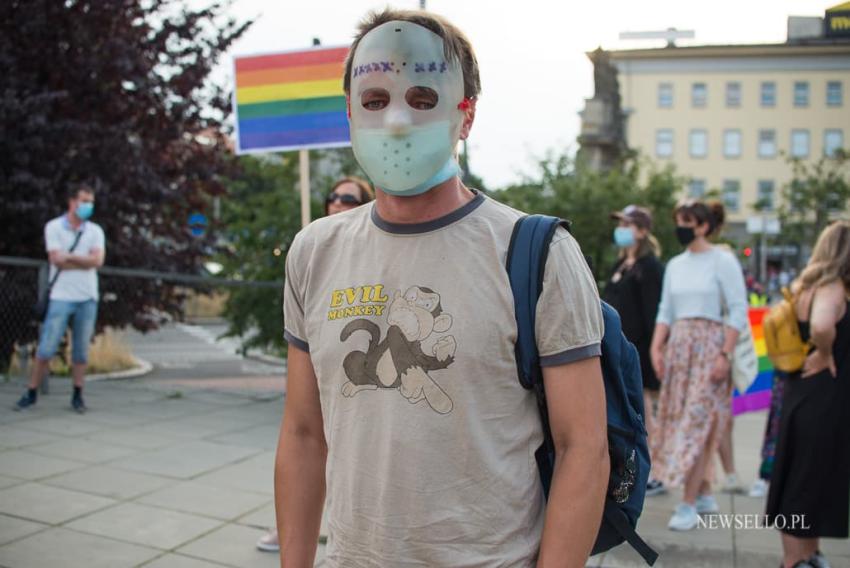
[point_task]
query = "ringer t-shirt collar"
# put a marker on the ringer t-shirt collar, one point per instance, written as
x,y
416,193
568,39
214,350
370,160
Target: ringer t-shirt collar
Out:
x,y
428,226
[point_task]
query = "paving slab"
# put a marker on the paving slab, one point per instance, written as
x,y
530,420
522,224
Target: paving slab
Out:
x,y
254,474
12,528
52,505
109,482
19,436
207,500
181,561
82,450
143,525
185,460
263,437
133,438
68,549
232,545
31,466
70,426
9,481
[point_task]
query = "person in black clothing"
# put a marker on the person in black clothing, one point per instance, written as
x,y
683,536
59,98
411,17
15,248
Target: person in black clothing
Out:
x,y
810,482
634,290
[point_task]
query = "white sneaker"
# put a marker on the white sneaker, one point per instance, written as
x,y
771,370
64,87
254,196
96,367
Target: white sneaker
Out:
x,y
758,488
818,560
684,518
731,484
269,542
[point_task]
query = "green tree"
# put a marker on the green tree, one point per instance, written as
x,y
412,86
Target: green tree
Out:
x,y
259,218
573,191
115,93
818,192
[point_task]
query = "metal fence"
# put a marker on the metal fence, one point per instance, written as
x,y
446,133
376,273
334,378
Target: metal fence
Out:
x,y
144,299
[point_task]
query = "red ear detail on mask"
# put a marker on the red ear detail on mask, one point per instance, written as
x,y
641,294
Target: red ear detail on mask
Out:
x,y
348,107
464,104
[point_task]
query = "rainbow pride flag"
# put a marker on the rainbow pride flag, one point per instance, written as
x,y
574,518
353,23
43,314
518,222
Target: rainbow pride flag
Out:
x,y
290,101
757,396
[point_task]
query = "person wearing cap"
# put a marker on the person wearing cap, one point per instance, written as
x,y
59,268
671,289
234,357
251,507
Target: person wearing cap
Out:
x,y
404,413
634,290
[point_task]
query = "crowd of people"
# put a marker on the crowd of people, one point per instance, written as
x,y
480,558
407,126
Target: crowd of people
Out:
x,y
404,417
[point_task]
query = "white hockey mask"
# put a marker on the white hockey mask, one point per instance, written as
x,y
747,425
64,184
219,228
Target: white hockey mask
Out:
x,y
404,108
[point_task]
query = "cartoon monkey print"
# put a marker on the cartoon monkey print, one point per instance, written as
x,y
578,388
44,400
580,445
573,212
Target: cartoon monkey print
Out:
x,y
398,361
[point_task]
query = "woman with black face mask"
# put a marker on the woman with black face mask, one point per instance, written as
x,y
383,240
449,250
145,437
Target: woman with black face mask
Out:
x,y
691,353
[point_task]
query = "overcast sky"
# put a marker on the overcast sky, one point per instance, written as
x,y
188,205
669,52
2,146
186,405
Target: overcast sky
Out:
x,y
534,72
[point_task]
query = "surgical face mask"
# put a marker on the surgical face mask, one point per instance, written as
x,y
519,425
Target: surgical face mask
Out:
x,y
85,210
405,120
624,237
685,235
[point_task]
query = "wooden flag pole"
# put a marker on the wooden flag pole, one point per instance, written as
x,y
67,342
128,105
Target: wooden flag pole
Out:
x,y
304,170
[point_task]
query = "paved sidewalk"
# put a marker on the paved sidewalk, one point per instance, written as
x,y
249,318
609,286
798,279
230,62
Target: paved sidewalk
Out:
x,y
164,478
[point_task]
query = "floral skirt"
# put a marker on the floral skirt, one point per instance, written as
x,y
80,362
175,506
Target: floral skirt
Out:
x,y
692,409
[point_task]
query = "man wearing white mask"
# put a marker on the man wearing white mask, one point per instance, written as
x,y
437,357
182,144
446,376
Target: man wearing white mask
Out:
x,y
75,249
404,415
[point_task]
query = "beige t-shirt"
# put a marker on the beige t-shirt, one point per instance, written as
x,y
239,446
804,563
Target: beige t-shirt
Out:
x,y
411,332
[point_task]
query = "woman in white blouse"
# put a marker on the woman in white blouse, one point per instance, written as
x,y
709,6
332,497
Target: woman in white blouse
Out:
x,y
691,353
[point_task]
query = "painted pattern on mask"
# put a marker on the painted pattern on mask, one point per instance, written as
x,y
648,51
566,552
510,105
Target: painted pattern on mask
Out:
x,y
398,361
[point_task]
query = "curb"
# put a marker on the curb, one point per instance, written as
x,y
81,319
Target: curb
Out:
x,y
268,359
142,368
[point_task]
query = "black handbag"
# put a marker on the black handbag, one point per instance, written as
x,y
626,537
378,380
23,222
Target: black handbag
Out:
x,y
39,309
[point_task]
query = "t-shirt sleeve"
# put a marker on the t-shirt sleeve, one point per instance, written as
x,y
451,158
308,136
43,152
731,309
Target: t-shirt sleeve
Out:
x,y
294,326
52,237
665,306
734,290
569,317
99,241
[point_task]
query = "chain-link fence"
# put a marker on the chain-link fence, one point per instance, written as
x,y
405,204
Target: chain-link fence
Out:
x,y
143,299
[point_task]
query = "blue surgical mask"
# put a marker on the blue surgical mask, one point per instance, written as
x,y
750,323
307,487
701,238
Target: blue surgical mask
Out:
x,y
624,237
85,210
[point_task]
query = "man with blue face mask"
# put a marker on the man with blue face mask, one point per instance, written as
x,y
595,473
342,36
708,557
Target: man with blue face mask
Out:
x,y
75,248
404,415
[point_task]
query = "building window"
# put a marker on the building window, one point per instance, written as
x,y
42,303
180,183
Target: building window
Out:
x,y
833,140
733,94
768,94
699,94
801,93
834,94
767,143
732,143
696,188
800,143
732,194
765,195
698,143
664,143
665,95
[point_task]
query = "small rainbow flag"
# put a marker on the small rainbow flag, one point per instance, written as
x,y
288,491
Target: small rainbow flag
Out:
x,y
290,101
757,396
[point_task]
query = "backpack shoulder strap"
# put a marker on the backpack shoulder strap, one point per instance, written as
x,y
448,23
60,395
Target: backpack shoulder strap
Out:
x,y
526,263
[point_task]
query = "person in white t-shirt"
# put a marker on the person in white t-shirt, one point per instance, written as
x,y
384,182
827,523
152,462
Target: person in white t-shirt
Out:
x,y
404,414
74,294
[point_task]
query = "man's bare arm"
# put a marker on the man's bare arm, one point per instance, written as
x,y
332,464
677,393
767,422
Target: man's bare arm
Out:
x,y
299,473
576,402
67,261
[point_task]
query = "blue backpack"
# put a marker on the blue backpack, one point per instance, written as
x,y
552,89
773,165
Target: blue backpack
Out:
x,y
627,445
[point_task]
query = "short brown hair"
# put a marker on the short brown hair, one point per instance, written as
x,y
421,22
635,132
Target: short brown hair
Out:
x,y
455,43
711,212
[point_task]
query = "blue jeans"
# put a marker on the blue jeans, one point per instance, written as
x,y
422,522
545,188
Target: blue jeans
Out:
x,y
56,322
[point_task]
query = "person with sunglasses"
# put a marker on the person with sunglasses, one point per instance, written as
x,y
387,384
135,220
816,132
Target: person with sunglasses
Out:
x,y
347,193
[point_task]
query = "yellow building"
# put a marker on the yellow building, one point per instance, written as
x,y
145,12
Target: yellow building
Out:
x,y
728,116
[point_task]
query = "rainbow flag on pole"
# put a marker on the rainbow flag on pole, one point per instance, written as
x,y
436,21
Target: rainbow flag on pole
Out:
x,y
757,396
290,101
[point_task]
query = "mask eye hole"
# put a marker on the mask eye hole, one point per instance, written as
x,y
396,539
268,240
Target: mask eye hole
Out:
x,y
375,99
421,98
